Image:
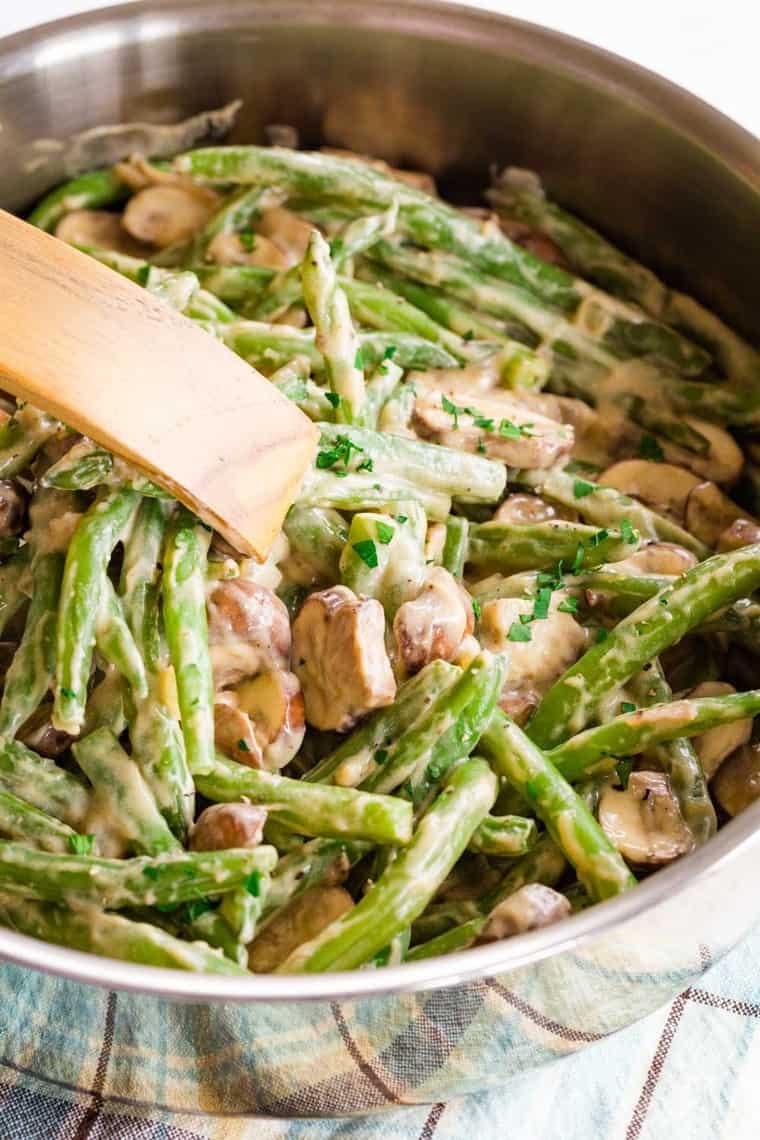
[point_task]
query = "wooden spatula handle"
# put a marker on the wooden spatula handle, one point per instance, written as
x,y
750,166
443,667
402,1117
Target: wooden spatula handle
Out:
x,y
123,368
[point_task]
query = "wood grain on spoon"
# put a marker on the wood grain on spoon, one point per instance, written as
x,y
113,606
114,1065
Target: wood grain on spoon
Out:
x,y
123,368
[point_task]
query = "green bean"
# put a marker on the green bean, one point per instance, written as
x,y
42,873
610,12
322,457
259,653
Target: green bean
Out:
x,y
236,285
22,436
184,598
122,794
91,191
31,671
409,882
13,574
604,506
365,492
89,552
567,819
510,547
335,335
382,560
354,757
114,640
661,621
96,932
235,213
382,309
456,545
310,863
30,825
504,835
316,537
142,881
316,809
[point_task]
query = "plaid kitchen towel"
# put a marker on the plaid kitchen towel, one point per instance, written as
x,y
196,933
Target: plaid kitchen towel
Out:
x,y
81,1064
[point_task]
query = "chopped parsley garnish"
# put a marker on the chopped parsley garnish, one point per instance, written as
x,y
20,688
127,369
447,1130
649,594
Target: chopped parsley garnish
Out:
x,y
196,907
568,606
484,423
252,883
67,692
477,609
482,449
333,398
340,452
390,352
248,239
366,465
601,635
542,602
151,872
627,531
508,430
336,247
381,756
580,555
469,335
81,844
241,744
520,632
662,601
401,519
598,538
623,769
628,706
143,274
367,551
359,359
649,448
452,410
385,532
581,488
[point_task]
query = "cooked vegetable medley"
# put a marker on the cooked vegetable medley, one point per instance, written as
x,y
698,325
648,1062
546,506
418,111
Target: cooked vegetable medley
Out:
x,y
496,667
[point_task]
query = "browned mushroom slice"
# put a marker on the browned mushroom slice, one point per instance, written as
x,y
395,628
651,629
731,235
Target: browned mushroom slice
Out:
x,y
99,228
255,249
164,215
520,508
233,732
709,514
340,658
500,429
519,704
431,626
661,558
222,826
529,908
742,532
38,733
557,641
248,631
291,233
662,486
273,703
737,784
300,920
644,822
722,461
712,747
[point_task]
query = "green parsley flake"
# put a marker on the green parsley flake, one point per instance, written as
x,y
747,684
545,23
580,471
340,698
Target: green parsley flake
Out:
x,y
241,744
252,883
542,603
508,430
649,448
477,609
197,907
381,756
519,632
401,519
580,555
340,452
390,351
385,532
67,692
484,423
367,551
581,488
359,359
601,635
151,872
366,465
332,398
628,707
247,239
568,606
623,769
451,409
469,335
662,601
81,844
143,274
627,531
598,538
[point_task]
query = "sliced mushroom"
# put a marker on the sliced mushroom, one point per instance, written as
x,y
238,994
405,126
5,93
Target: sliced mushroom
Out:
x,y
233,731
663,486
661,558
431,626
644,822
737,784
742,532
340,658
519,704
291,233
500,429
38,733
164,215
101,229
232,249
723,460
13,500
300,920
709,512
525,509
222,826
139,173
248,631
529,908
556,642
273,703
712,747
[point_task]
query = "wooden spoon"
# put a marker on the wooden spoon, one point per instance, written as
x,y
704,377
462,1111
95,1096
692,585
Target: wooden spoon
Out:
x,y
126,370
